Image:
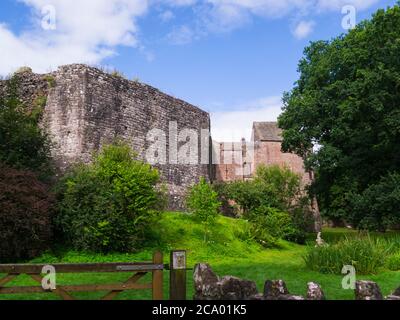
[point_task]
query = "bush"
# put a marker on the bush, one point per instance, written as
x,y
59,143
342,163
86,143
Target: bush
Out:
x,y
378,207
203,202
269,225
110,204
393,262
26,213
368,255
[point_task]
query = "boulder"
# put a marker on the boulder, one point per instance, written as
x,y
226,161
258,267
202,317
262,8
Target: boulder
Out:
x,y
233,288
208,286
205,283
367,290
274,288
396,292
257,297
392,297
289,297
314,291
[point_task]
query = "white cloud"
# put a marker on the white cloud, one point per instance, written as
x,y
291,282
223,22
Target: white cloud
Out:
x,y
227,15
303,29
87,31
230,126
181,35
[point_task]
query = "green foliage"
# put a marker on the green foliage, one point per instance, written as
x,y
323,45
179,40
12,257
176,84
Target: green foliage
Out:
x,y
51,81
273,186
269,225
367,254
393,262
378,207
23,145
110,204
203,202
345,102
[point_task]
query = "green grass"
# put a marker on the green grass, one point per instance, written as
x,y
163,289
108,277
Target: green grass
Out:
x,y
231,251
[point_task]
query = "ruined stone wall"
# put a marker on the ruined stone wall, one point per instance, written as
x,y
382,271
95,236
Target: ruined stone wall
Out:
x,y
87,108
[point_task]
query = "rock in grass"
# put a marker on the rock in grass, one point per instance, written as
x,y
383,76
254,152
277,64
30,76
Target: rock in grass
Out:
x,y
367,290
233,288
275,288
289,297
396,292
205,283
392,297
314,291
208,286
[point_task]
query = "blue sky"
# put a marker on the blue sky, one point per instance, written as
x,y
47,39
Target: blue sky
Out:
x,y
233,58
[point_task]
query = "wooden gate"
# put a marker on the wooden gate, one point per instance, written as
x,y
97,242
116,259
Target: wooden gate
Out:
x,y
139,270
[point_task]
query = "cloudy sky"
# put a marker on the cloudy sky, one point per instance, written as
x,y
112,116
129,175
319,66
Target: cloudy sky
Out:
x,y
233,58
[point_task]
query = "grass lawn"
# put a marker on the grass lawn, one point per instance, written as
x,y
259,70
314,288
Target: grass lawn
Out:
x,y
230,252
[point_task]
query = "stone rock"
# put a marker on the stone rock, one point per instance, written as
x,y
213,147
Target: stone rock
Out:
x,y
208,286
392,297
367,290
289,297
205,283
314,291
396,292
257,297
233,288
274,288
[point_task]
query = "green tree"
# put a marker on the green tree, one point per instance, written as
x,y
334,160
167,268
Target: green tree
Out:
x,y
346,105
109,205
203,202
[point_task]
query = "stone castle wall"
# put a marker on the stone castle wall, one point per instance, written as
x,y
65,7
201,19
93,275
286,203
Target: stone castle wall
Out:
x,y
87,108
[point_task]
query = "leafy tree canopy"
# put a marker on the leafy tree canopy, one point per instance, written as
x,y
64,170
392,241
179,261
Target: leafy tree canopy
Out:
x,y
346,103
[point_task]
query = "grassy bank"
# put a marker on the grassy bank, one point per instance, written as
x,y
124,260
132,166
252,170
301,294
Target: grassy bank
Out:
x,y
231,250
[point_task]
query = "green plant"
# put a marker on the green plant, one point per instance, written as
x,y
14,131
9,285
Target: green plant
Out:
x,y
393,262
343,103
51,81
23,144
109,205
203,202
26,214
368,255
378,207
269,225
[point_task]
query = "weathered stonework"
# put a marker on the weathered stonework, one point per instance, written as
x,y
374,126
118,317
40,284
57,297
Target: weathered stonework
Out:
x,y
87,108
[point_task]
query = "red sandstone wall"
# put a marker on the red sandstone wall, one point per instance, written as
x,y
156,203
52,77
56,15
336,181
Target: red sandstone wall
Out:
x,y
269,153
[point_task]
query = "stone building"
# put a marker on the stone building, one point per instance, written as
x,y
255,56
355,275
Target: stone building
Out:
x,y
239,161
87,108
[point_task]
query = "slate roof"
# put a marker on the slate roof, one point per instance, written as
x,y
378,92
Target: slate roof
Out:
x,y
267,131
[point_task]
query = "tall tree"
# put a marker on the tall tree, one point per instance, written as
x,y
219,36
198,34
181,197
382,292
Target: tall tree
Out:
x,y
346,107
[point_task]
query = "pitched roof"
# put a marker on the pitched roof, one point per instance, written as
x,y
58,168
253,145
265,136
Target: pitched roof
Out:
x,y
267,131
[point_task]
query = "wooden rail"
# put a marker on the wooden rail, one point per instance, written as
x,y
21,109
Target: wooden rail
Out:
x,y
156,267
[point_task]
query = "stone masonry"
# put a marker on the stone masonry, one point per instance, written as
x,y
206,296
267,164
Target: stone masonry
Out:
x,y
87,108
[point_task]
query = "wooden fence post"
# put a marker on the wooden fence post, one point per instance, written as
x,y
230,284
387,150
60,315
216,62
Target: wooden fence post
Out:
x,y
177,275
157,283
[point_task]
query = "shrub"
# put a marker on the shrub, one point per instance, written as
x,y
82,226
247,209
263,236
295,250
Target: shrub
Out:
x,y
368,255
378,207
393,262
269,225
203,202
280,186
110,204
26,212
